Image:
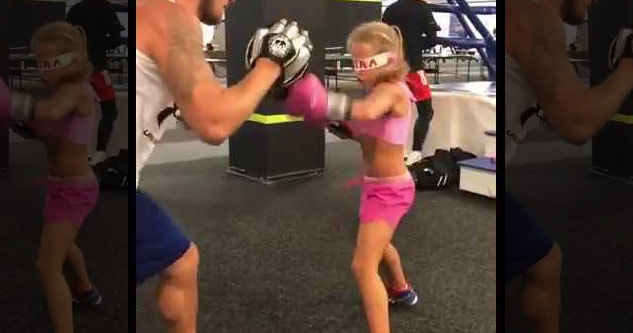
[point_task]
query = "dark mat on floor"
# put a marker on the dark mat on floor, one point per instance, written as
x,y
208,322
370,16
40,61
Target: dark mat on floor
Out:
x,y
277,258
591,217
103,239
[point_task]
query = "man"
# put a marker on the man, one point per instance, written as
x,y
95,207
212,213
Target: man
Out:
x,y
103,32
419,31
538,73
170,68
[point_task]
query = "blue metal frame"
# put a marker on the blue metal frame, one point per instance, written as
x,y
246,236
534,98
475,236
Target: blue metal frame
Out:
x,y
467,43
483,10
487,46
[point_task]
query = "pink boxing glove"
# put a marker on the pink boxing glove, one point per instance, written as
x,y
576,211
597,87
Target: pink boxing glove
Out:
x,y
308,98
14,105
5,101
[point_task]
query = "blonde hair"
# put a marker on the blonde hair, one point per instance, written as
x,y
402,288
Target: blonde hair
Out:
x,y
67,38
384,38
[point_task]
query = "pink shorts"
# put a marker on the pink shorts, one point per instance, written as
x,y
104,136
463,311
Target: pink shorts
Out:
x,y
386,199
70,199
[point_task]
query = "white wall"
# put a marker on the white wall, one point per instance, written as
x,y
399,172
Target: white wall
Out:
x,y
578,35
208,32
220,36
214,35
582,38
570,33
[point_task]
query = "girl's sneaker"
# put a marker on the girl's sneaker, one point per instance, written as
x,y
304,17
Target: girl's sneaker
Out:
x,y
90,297
406,296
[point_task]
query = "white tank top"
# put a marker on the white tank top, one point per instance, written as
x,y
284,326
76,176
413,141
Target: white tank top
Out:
x,y
152,97
520,106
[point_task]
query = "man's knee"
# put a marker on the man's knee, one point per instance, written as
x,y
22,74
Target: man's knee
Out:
x,y
549,266
186,265
554,258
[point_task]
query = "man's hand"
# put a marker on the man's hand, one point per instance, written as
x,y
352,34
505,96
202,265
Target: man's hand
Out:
x,y
285,44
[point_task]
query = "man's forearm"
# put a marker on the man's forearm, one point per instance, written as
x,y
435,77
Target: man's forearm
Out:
x,y
595,106
246,95
615,89
231,107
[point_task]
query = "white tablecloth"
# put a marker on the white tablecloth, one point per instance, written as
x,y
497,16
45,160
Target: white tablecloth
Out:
x,y
460,120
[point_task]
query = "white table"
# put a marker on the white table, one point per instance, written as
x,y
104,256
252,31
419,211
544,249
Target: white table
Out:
x,y
463,113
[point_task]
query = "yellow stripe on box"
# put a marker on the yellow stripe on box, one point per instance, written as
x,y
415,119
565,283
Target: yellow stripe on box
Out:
x,y
623,118
273,119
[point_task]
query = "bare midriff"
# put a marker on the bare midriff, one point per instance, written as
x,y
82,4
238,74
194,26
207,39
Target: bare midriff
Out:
x,y
382,159
66,159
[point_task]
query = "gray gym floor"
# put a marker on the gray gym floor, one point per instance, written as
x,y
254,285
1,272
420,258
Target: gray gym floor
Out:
x,y
103,239
590,217
277,258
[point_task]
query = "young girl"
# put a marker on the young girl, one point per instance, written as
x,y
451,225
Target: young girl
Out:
x,y
63,122
380,123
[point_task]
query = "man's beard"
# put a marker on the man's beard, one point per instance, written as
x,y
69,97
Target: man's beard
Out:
x,y
205,14
569,14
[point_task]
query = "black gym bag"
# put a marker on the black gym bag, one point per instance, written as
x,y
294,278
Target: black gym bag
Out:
x,y
112,173
440,170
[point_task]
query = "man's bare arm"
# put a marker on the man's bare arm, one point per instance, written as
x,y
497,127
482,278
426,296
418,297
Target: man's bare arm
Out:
x,y
213,112
574,110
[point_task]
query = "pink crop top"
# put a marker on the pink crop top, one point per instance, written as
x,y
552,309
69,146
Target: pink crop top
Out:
x,y
388,128
71,128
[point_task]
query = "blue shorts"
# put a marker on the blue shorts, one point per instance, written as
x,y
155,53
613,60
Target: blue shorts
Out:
x,y
526,242
159,242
